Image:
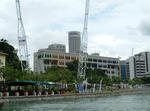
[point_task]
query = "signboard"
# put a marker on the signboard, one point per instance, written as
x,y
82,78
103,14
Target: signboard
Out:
x,y
22,40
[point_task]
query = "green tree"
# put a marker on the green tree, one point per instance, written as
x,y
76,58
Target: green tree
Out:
x,y
73,66
95,75
137,81
146,80
12,74
12,58
58,74
116,80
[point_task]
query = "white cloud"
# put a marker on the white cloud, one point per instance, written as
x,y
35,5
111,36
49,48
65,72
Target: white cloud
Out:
x,y
105,40
113,25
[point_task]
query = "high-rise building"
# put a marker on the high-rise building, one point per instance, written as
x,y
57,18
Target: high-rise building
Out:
x,y
138,65
74,41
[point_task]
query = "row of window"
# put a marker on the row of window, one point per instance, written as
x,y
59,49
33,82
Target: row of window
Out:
x,y
104,61
56,57
100,66
74,58
140,63
140,72
111,72
54,62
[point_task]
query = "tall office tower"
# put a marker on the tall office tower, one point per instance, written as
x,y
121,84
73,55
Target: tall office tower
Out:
x,y
74,41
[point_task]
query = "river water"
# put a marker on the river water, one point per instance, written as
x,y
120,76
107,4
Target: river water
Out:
x,y
140,102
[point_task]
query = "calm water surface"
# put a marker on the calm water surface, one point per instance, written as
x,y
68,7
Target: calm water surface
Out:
x,y
112,103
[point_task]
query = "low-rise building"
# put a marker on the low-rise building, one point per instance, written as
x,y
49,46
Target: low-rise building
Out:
x,y
47,58
2,63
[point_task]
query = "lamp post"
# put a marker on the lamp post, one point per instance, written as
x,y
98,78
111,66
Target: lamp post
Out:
x,y
100,85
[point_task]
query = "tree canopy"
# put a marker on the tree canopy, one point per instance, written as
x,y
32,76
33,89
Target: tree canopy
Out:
x,y
12,58
68,74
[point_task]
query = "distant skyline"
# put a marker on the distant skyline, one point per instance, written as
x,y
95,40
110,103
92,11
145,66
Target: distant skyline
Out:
x,y
114,28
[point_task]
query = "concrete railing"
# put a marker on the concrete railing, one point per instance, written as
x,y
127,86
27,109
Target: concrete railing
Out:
x,y
63,96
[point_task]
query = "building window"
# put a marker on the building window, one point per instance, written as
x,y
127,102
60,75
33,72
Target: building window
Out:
x,y
54,62
61,63
112,72
94,60
89,59
104,61
112,67
74,58
39,56
100,66
55,56
114,62
47,55
61,57
46,62
94,65
89,65
110,61
104,66
99,60
67,57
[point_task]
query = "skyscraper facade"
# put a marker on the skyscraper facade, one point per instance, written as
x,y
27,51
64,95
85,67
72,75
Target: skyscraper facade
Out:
x,y
74,41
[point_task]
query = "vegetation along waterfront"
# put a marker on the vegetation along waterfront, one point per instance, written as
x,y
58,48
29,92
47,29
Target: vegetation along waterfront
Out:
x,y
62,80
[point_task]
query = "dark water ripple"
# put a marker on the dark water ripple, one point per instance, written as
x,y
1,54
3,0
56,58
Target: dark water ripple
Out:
x,y
139,102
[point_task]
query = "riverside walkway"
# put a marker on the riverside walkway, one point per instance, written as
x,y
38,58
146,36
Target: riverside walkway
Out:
x,y
53,96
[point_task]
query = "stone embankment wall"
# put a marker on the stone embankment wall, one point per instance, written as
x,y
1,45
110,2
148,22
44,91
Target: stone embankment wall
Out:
x,y
67,96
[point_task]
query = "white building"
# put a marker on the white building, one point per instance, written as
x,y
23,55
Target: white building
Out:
x,y
138,65
74,41
47,58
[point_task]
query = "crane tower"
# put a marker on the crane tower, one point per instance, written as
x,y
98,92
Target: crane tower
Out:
x,y
22,41
84,44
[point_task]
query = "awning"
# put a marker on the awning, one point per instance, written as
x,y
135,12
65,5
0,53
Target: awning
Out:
x,y
25,83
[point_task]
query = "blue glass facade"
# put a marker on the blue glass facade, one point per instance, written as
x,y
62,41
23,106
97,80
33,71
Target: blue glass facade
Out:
x,y
123,71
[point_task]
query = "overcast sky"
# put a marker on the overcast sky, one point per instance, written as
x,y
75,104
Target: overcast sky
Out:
x,y
115,26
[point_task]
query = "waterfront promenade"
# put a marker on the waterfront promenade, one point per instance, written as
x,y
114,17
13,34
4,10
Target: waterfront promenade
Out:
x,y
76,95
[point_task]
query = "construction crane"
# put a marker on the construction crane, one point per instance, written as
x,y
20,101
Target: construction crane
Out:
x,y
84,43
22,41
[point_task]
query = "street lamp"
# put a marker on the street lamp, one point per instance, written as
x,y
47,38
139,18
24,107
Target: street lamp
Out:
x,y
100,85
